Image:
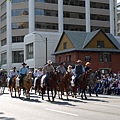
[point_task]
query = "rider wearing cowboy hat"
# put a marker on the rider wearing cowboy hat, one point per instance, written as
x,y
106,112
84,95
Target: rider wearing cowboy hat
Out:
x,y
79,70
48,69
87,66
23,72
13,74
61,69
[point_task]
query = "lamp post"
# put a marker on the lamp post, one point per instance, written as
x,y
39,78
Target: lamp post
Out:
x,y
45,41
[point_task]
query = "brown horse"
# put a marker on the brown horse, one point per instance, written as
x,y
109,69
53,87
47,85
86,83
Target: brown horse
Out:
x,y
64,84
51,85
27,84
82,84
14,86
3,82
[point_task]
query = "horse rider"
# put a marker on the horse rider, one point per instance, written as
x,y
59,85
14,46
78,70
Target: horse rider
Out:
x,y
23,72
13,73
87,66
39,74
61,69
47,70
79,70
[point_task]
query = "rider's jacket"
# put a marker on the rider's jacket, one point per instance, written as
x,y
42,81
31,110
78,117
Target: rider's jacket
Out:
x,y
23,71
48,69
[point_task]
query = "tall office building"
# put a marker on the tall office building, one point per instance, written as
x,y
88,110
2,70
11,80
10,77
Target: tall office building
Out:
x,y
21,17
118,19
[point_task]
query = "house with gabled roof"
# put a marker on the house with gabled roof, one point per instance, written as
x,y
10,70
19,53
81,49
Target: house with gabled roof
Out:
x,y
101,49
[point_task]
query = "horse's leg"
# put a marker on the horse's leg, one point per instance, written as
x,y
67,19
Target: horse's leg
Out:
x,y
90,91
15,91
81,94
52,95
48,94
43,92
85,94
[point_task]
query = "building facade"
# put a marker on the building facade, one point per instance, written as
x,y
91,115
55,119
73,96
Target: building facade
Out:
x,y
22,17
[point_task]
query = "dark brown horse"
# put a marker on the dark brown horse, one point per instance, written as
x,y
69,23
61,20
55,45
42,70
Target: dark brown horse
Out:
x,y
51,85
64,84
37,85
3,83
82,84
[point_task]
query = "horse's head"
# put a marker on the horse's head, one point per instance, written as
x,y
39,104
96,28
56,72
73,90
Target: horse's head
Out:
x,y
68,76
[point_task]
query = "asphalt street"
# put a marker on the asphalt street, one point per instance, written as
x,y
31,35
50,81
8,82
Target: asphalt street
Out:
x,y
104,107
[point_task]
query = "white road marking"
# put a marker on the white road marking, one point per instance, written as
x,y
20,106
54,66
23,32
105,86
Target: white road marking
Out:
x,y
62,112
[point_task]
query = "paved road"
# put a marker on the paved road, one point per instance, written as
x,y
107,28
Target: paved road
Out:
x,y
104,107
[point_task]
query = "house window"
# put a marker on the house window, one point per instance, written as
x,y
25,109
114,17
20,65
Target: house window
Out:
x,y
104,57
59,58
29,51
87,58
68,58
3,58
65,45
17,56
100,57
100,44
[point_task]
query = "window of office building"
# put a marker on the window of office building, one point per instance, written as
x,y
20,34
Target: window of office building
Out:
x,y
105,29
48,1
20,12
3,17
74,2
74,27
99,5
16,39
41,25
4,58
44,12
3,5
29,51
3,42
17,1
3,29
73,15
100,17
17,56
20,25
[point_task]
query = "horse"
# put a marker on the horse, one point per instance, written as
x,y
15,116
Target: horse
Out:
x,y
64,84
14,86
51,85
92,81
81,84
3,82
37,85
27,84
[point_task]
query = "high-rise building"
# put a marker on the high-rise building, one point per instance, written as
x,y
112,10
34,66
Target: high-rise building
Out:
x,y
21,17
118,19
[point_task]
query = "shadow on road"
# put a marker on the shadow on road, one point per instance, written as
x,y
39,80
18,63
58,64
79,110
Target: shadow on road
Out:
x,y
6,118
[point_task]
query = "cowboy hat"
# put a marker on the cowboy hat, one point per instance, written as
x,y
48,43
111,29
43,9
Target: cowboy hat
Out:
x,y
69,66
79,61
24,64
14,67
49,62
39,67
87,63
61,63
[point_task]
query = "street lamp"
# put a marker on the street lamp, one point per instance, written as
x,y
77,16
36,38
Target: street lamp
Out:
x,y
45,41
